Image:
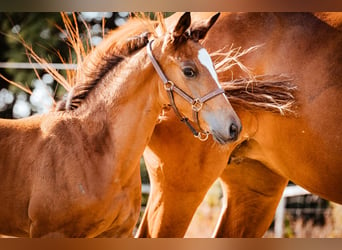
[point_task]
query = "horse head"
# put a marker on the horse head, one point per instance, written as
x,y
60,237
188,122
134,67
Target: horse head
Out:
x,y
190,80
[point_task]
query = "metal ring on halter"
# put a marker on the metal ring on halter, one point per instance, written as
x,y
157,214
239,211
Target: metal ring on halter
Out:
x,y
196,105
202,136
168,86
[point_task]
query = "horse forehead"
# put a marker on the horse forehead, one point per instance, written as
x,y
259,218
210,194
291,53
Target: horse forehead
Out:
x,y
205,60
202,56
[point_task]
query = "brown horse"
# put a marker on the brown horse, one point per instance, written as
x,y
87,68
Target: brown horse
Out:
x,y
74,172
272,149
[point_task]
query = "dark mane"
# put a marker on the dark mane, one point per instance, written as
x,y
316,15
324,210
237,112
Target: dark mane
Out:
x,y
81,90
110,52
273,93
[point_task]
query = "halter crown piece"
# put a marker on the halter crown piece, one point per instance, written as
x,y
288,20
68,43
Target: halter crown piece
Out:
x,y
196,103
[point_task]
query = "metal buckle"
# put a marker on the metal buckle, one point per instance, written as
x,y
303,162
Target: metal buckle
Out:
x,y
202,136
168,86
196,105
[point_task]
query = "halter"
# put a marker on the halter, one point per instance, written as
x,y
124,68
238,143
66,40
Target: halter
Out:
x,y
196,103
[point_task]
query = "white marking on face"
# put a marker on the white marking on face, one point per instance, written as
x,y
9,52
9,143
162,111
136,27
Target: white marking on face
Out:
x,y
204,58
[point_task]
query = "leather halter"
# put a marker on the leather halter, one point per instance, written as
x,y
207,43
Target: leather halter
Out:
x,y
196,103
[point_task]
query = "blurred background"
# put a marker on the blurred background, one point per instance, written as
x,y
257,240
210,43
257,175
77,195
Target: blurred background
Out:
x,y
300,214
40,30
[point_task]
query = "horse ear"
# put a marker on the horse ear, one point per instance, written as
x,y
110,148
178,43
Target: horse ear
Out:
x,y
200,29
182,25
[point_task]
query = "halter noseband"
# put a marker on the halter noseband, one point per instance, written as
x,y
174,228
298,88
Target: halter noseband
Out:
x,y
196,103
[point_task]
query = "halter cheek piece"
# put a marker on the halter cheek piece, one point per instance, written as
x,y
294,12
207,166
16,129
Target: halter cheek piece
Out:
x,y
196,103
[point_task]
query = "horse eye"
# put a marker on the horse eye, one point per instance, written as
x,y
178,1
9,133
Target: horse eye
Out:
x,y
189,72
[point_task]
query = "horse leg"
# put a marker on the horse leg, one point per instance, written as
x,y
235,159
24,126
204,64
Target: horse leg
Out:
x,y
180,178
169,212
251,195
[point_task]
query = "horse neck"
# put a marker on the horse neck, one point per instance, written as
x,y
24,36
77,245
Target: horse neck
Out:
x,y
127,103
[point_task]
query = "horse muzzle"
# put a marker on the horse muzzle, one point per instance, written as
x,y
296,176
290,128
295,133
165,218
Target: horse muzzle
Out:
x,y
223,130
233,134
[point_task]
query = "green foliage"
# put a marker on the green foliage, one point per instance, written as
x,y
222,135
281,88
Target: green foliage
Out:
x,y
39,31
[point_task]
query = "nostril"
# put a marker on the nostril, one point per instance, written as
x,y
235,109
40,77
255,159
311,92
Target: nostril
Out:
x,y
234,131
